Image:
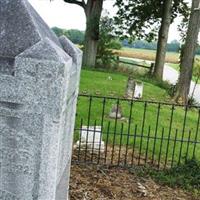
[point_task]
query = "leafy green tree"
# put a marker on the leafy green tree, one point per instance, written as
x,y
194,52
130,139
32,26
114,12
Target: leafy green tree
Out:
x,y
76,36
142,18
58,31
173,46
92,9
107,42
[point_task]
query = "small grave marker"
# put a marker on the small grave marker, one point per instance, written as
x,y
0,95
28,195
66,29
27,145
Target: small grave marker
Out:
x,y
134,89
138,90
91,138
116,112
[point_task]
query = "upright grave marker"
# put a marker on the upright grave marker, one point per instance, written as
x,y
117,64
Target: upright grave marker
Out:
x,y
91,139
39,80
134,89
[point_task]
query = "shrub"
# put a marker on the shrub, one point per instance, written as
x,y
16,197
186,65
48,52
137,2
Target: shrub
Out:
x,y
107,42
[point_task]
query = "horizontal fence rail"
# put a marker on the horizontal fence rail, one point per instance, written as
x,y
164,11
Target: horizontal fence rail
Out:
x,y
122,132
127,61
135,64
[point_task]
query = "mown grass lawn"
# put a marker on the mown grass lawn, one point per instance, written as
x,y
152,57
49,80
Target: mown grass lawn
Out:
x,y
174,66
114,85
163,122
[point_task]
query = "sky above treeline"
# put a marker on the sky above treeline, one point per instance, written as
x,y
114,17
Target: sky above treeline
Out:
x,y
69,16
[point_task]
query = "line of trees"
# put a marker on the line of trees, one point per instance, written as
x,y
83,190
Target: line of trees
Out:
x,y
77,37
173,46
149,20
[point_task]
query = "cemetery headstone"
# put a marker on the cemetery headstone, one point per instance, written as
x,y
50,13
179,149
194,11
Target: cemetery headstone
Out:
x,y
130,88
134,89
138,92
39,81
91,138
116,112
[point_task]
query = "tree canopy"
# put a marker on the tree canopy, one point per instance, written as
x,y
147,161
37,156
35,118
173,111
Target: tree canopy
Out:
x,y
140,19
107,42
76,36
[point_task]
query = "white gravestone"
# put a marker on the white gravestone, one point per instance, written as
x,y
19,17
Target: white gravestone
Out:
x,y
138,92
134,89
91,138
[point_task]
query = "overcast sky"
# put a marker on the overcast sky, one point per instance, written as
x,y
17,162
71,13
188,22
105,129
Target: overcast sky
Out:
x,y
69,16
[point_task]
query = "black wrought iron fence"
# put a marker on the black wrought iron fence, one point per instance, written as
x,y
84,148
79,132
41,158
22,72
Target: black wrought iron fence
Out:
x,y
124,132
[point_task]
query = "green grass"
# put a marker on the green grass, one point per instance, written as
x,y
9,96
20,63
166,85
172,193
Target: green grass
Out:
x,y
174,66
99,83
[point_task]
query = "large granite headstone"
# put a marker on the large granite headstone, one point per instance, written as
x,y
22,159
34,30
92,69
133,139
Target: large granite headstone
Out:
x,y
39,80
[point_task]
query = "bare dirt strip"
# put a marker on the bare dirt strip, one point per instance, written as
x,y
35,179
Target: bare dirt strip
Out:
x,y
102,183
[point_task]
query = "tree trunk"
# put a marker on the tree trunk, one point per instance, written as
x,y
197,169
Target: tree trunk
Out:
x,y
93,11
187,61
162,40
90,51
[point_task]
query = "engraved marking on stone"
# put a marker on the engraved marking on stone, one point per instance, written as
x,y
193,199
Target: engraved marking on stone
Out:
x,y
73,96
12,138
12,155
14,168
7,116
5,195
10,105
11,122
7,65
32,74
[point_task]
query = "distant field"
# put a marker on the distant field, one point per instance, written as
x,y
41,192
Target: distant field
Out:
x,y
145,54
